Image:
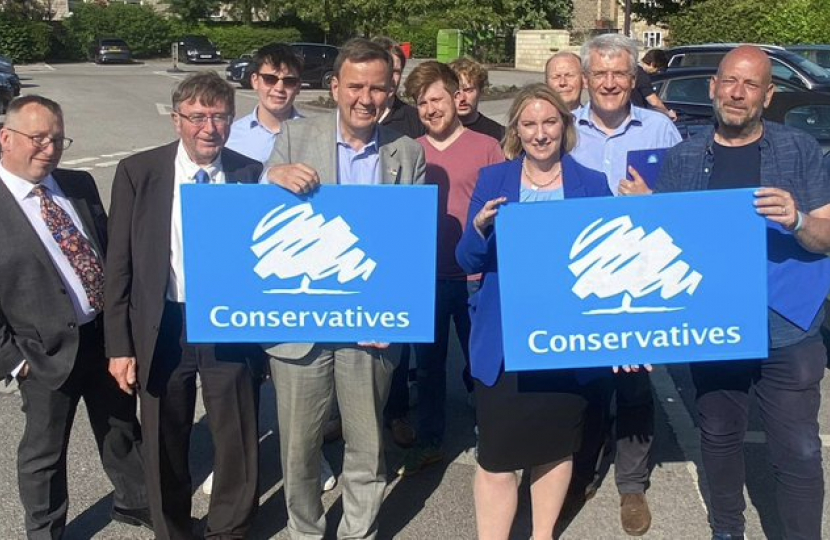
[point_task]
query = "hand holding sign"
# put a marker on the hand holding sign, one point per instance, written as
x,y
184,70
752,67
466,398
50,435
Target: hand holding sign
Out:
x,y
487,215
298,178
777,205
635,186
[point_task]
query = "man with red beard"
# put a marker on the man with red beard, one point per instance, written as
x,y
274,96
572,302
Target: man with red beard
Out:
x,y
454,156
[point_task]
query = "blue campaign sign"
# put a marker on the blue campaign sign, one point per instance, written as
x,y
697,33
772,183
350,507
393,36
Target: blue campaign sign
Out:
x,y
346,264
633,280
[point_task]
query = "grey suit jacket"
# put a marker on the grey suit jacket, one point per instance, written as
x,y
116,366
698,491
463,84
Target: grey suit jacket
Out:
x,y
313,141
37,318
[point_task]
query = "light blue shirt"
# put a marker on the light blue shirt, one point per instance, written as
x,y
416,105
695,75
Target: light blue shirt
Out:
x,y
252,139
642,130
527,195
357,167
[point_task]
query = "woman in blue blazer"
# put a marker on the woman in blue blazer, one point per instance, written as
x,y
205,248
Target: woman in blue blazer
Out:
x,y
534,419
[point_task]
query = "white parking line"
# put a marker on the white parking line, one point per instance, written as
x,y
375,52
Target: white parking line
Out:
x,y
684,428
143,149
106,164
163,109
79,161
116,154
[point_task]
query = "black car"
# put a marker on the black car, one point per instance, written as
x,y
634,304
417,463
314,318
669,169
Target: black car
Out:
x,y
198,49
686,91
112,49
786,65
318,65
818,54
6,95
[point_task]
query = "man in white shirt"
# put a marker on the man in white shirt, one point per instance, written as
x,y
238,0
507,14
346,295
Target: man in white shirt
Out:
x,y
146,333
53,239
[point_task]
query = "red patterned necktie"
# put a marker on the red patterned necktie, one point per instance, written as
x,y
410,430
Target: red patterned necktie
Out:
x,y
77,249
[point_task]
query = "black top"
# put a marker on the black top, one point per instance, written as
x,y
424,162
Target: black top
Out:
x,y
736,166
403,118
642,89
487,127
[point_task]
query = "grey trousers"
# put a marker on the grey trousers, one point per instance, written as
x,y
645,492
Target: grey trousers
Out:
x,y
360,379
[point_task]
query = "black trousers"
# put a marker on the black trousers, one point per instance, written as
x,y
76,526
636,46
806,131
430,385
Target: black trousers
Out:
x,y
634,431
230,392
41,457
788,393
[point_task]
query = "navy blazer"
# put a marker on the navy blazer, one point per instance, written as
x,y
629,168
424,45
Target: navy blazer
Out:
x,y
478,255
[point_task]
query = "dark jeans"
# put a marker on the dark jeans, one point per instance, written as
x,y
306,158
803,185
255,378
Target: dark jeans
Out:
x,y
451,304
788,394
634,431
397,405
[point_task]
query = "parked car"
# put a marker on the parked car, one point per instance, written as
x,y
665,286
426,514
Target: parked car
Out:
x,y
6,64
110,49
11,80
786,65
318,65
686,91
6,95
198,49
818,54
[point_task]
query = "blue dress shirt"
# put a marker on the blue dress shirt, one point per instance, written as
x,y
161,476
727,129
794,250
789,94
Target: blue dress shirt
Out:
x,y
357,167
252,139
642,130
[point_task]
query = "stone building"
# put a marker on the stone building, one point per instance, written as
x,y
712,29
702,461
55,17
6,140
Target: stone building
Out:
x,y
591,17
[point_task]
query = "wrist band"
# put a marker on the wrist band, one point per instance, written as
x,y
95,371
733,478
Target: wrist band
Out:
x,y
799,224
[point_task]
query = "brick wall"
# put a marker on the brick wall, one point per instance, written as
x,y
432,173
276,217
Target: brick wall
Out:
x,y
534,47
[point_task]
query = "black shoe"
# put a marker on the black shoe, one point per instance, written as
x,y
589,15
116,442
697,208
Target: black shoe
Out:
x,y
137,517
726,536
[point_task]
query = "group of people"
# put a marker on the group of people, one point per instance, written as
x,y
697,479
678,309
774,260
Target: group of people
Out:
x,y
67,333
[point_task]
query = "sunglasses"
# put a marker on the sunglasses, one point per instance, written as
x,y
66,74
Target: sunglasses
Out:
x,y
272,80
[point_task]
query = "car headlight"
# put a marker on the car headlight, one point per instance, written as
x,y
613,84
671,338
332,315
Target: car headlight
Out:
x,y
191,51
218,53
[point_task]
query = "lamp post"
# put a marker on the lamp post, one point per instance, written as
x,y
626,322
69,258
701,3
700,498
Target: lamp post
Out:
x,y
627,23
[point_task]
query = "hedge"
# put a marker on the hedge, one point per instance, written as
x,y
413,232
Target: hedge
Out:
x,y
23,40
753,21
234,40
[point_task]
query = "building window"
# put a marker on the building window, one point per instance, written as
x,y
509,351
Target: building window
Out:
x,y
652,39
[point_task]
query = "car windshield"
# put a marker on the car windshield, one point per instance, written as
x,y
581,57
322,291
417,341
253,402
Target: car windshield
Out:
x,y
818,73
198,42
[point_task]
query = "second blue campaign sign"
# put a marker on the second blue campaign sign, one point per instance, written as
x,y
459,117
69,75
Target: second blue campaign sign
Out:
x,y
633,280
346,264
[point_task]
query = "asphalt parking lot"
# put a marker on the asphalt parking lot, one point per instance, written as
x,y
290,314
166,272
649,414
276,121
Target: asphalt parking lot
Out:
x,y
114,111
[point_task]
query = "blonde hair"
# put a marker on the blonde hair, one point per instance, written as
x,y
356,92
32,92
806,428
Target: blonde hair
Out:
x,y
512,143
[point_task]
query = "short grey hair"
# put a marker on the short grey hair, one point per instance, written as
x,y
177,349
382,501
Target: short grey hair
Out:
x,y
610,45
562,54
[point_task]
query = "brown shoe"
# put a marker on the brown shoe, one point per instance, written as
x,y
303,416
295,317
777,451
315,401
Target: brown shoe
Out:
x,y
634,514
402,432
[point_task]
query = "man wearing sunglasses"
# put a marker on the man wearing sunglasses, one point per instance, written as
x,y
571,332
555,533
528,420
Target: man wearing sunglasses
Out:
x,y
53,239
146,332
276,79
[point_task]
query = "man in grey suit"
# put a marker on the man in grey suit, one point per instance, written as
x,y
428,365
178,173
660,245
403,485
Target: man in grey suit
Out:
x,y
347,148
53,238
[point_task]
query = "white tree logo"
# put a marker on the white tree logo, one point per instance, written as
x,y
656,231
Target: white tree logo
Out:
x,y
616,258
294,242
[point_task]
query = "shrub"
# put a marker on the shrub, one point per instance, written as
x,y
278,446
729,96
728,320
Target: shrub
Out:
x,y
233,40
423,35
753,21
23,40
146,31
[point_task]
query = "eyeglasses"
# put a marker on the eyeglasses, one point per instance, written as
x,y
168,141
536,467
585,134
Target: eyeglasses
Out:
x,y
202,119
271,80
42,141
618,76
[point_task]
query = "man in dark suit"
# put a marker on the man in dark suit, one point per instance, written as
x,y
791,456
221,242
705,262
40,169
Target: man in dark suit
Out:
x,y
52,244
146,334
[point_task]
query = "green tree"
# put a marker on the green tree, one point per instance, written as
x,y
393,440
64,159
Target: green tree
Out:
x,y
192,11
658,11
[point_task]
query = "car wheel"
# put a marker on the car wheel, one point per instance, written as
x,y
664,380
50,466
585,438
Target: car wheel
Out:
x,y
326,82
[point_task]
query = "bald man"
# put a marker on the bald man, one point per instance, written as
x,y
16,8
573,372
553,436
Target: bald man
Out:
x,y
785,165
563,74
